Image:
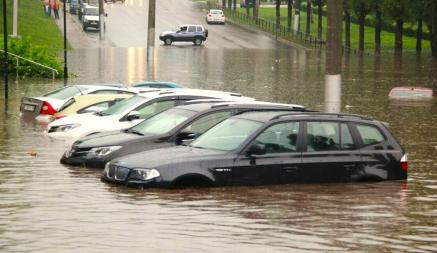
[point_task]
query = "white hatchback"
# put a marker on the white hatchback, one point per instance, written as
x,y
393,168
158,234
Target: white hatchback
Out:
x,y
215,16
130,112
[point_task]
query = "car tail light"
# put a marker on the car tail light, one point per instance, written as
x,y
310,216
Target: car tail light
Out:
x,y
404,163
47,109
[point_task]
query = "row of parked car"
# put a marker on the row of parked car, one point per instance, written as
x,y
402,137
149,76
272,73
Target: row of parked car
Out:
x,y
149,136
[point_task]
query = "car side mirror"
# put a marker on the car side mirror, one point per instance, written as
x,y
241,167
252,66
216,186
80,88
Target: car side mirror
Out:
x,y
133,115
256,149
185,136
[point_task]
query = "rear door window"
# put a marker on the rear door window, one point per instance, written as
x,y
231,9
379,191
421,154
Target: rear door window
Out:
x,y
328,136
370,134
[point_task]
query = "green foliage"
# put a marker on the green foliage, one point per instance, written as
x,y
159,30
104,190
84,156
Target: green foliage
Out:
x,y
39,54
398,9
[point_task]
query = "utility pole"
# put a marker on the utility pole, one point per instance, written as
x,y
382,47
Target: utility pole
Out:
x,y
15,20
296,16
65,42
151,31
333,56
5,38
101,20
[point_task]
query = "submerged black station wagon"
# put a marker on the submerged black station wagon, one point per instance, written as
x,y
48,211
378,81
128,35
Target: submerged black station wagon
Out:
x,y
261,148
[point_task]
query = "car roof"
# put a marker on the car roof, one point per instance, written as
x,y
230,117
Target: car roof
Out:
x,y
202,105
197,92
276,115
190,25
101,96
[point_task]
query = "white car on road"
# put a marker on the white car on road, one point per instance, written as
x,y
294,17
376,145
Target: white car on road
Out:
x,y
130,112
215,16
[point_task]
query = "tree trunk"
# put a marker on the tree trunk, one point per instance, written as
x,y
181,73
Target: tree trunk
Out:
x,y
256,11
347,29
278,13
229,4
308,24
235,5
398,36
247,10
319,23
378,28
361,18
289,12
419,32
223,4
434,29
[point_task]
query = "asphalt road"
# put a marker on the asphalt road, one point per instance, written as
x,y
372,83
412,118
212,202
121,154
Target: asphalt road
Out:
x,y
126,26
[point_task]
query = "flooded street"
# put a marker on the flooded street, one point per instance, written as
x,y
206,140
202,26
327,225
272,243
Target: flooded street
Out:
x,y
49,207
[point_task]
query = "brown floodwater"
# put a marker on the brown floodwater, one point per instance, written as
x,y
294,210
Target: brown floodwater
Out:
x,y
48,207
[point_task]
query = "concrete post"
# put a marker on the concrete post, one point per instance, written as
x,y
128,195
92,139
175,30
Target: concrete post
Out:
x,y
151,31
101,20
15,20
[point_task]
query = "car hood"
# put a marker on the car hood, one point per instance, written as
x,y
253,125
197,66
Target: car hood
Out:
x,y
165,156
91,18
166,33
112,138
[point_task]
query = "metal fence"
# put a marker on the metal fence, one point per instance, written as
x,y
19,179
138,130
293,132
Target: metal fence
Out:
x,y
279,31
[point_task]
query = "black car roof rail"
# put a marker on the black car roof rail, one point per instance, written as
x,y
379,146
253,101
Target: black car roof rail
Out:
x,y
151,90
338,115
264,105
272,109
205,100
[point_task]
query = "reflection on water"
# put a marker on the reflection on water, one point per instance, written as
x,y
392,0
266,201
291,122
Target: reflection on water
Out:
x,y
45,206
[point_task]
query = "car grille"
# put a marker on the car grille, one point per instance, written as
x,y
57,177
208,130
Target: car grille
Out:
x,y
78,152
117,173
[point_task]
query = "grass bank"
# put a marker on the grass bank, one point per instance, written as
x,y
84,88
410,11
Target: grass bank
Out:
x,y
387,38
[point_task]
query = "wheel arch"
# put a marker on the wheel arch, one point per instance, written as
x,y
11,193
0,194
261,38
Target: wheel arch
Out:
x,y
193,179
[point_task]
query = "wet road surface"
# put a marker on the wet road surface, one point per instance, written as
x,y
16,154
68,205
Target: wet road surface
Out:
x,y
48,207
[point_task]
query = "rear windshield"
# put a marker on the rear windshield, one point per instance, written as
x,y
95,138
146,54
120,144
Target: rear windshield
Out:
x,y
122,106
92,11
216,12
65,92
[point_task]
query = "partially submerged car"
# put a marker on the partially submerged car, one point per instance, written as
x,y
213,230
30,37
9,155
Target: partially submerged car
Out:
x,y
130,112
264,148
185,33
42,108
408,92
89,104
215,16
157,84
169,128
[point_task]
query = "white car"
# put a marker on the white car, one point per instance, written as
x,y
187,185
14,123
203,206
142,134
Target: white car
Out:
x,y
215,16
45,106
129,112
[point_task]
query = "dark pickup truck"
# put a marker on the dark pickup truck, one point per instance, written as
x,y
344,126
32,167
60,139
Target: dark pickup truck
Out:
x,y
186,33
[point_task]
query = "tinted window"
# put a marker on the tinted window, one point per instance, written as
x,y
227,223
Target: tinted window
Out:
x,y
155,108
98,107
65,92
323,136
370,134
204,123
347,143
163,122
191,29
227,135
280,138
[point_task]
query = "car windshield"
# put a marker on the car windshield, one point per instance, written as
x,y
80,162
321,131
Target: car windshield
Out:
x,y
163,122
91,11
227,135
65,92
122,106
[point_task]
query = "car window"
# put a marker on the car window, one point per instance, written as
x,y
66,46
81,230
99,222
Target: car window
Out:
x,y
148,110
105,92
199,29
347,142
91,11
98,107
163,122
200,125
227,135
123,105
323,136
183,28
216,12
65,92
191,29
67,104
370,134
279,138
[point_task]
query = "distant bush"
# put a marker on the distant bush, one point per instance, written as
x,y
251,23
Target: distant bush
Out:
x,y
39,54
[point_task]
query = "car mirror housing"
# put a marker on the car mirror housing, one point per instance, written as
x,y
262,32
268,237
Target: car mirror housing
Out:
x,y
256,149
184,136
133,115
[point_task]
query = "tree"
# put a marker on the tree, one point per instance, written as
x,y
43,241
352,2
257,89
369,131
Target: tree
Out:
x,y
308,24
289,12
418,13
376,6
297,15
361,8
320,4
399,11
430,18
278,13
347,24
